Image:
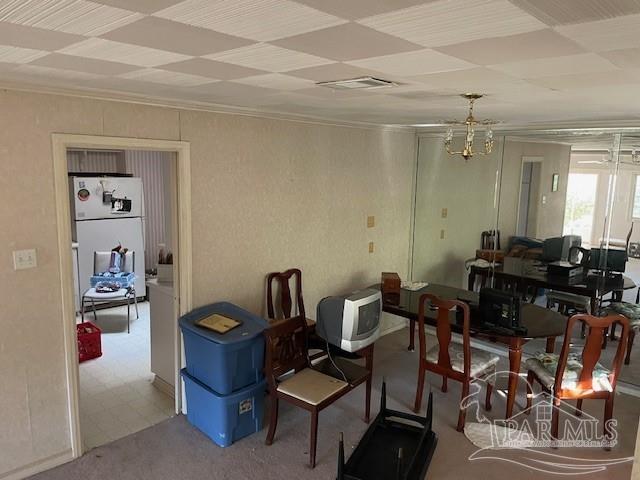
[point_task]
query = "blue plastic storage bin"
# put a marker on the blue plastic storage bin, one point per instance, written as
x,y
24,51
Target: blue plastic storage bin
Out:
x,y
126,280
228,362
224,418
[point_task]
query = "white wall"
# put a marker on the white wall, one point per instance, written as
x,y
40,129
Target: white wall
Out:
x,y
267,195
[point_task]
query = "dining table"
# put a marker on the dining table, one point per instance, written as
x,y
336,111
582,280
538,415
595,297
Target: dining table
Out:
x,y
538,323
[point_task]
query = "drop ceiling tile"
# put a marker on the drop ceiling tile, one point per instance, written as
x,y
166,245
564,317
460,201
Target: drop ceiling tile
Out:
x,y
142,6
102,49
277,81
613,34
413,63
231,91
330,93
71,16
579,81
166,77
10,54
212,69
36,38
332,71
625,58
564,12
541,67
354,9
448,22
478,79
268,57
54,73
175,37
539,44
261,20
349,41
82,64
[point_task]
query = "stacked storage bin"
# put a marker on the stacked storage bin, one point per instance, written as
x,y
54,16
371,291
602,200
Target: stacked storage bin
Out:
x,y
224,379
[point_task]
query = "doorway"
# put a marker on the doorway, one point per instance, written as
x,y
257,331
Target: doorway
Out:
x,y
180,229
529,195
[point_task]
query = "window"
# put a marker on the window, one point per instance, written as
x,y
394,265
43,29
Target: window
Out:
x,y
580,205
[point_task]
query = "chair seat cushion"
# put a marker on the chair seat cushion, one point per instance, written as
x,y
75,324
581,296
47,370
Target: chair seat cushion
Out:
x,y
481,361
311,386
544,365
91,293
629,310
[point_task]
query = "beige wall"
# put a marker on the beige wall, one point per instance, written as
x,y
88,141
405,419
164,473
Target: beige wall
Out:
x,y
549,215
267,195
467,190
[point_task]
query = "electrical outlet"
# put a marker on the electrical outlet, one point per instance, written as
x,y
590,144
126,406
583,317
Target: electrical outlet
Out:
x,y
444,213
442,234
23,259
371,247
371,221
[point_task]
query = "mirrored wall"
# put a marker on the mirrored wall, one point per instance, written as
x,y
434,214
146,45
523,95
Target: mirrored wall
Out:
x,y
539,197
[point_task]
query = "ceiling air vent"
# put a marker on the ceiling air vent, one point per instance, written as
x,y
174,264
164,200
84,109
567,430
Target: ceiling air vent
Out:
x,y
355,83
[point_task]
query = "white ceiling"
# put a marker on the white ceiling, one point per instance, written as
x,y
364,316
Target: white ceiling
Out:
x,y
536,60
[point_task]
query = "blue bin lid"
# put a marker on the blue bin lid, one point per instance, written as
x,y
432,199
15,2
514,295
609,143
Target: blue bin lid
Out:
x,y
251,327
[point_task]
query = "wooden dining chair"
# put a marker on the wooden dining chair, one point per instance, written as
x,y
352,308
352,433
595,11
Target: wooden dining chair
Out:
x,y
578,376
452,360
291,377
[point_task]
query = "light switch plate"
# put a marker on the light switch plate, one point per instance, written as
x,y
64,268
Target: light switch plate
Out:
x,y
23,259
371,221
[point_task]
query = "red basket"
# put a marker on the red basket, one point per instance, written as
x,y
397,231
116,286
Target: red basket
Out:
x,y
89,344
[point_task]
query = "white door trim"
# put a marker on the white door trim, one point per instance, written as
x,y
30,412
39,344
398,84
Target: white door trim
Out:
x,y
181,231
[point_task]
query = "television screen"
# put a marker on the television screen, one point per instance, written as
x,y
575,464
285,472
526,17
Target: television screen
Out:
x,y
368,317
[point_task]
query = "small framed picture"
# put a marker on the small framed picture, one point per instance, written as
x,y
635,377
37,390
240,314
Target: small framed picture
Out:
x,y
555,178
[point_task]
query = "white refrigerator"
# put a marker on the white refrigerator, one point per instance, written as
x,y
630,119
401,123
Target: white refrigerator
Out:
x,y
106,212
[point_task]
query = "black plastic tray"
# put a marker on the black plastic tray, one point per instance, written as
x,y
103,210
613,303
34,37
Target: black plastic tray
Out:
x,y
396,446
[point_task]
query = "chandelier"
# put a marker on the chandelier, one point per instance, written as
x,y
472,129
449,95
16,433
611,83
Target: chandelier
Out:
x,y
470,123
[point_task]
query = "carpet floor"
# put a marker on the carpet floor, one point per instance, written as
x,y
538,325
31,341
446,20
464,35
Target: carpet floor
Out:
x,y
175,450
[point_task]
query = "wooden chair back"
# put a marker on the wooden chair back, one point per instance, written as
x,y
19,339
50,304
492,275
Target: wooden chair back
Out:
x,y
443,332
597,328
285,348
282,305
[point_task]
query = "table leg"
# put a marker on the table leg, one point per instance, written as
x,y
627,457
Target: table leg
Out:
x,y
369,367
515,357
471,279
412,334
551,344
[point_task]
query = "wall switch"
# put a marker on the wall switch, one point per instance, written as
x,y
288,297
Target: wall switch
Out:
x,y
370,247
23,259
441,234
371,221
444,213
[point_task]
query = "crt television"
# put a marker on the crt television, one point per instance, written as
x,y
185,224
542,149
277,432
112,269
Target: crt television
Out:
x,y
350,322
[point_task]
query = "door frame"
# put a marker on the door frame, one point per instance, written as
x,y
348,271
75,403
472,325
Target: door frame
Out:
x,y
181,229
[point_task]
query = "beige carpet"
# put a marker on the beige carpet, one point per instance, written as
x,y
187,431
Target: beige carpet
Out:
x,y
175,450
